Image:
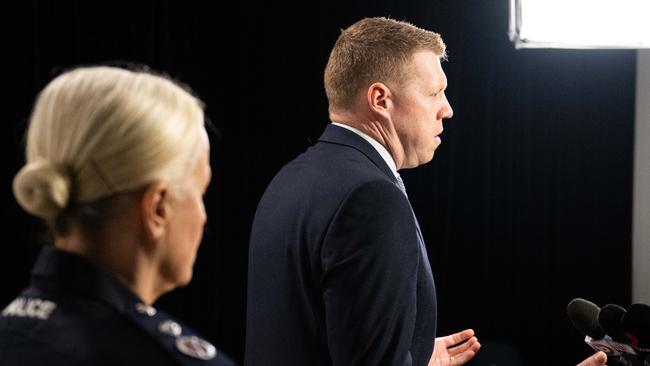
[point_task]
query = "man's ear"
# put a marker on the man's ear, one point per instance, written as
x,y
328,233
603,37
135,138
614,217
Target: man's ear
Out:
x,y
379,99
155,210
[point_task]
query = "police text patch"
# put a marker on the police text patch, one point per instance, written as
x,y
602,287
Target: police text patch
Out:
x,y
25,307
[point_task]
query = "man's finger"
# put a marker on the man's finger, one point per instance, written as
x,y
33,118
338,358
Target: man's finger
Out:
x,y
459,337
597,359
454,350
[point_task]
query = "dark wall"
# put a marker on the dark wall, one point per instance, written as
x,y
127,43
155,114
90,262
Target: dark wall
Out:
x,y
526,205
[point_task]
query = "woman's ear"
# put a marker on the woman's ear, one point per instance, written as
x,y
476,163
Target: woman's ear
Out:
x,y
155,210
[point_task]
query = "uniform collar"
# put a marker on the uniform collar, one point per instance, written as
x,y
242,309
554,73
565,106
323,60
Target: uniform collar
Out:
x,y
60,271
342,136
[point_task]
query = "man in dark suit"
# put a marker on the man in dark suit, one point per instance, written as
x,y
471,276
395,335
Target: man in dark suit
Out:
x,y
338,269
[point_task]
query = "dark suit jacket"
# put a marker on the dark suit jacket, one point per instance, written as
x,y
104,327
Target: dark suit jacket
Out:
x,y
338,271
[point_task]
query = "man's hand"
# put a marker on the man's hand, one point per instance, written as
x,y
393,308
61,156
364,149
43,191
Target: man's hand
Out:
x,y
597,359
457,349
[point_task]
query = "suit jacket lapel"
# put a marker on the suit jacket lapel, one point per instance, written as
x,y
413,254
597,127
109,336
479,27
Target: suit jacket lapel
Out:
x,y
338,135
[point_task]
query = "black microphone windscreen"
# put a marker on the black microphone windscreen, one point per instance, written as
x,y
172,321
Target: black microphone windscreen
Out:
x,y
636,325
584,316
610,318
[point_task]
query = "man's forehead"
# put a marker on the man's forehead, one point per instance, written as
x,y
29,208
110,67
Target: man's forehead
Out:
x,y
427,64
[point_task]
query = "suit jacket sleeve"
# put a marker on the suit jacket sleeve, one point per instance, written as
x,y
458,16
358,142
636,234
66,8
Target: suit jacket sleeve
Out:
x,y
370,257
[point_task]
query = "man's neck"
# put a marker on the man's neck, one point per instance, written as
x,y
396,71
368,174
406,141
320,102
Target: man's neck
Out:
x,y
382,132
383,152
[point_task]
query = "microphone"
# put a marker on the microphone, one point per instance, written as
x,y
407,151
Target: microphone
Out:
x,y
584,315
636,326
610,318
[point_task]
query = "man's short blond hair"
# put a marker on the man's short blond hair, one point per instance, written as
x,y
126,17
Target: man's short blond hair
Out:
x,y
374,50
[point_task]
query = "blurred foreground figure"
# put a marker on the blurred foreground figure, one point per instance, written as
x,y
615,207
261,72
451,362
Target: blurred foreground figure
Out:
x,y
117,165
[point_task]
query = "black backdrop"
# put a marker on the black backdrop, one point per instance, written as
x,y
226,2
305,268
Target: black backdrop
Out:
x,y
526,205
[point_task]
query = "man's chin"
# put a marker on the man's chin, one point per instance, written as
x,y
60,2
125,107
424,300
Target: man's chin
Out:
x,y
415,164
428,158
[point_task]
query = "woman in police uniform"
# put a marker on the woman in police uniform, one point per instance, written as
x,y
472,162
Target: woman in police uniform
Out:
x,y
117,164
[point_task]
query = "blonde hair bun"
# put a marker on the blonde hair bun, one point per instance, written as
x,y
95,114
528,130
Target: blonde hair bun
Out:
x,y
107,131
42,189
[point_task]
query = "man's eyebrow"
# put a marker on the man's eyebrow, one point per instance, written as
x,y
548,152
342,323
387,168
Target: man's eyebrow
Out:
x,y
441,89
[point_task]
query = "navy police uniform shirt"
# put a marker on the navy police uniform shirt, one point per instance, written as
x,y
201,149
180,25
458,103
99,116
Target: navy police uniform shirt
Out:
x,y
74,313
